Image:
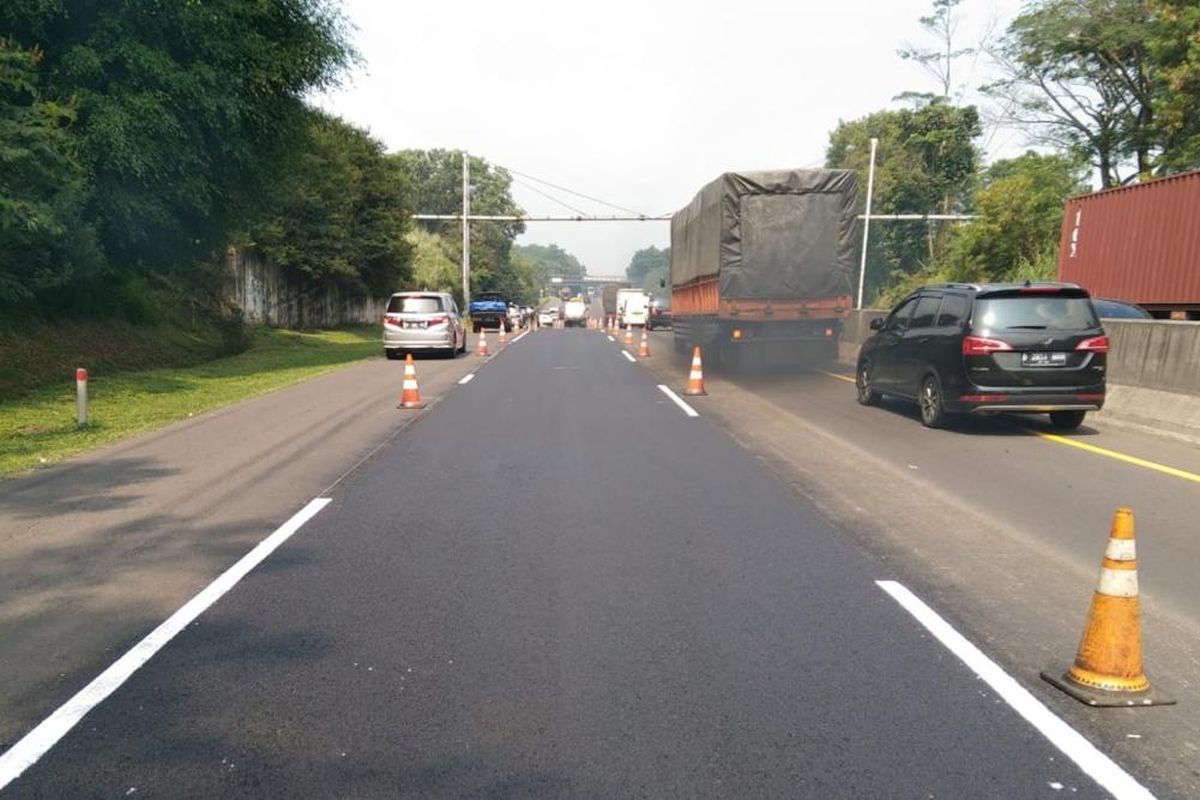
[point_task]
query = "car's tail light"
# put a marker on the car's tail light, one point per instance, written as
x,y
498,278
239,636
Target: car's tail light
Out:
x,y
983,398
436,321
979,346
389,319
1096,344
1089,398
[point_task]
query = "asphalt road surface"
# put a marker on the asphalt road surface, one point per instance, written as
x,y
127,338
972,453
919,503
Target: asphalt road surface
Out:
x,y
556,584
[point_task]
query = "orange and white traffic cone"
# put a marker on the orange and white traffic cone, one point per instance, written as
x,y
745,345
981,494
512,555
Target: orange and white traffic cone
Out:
x,y
644,347
695,382
482,349
503,334
410,396
1108,664
628,334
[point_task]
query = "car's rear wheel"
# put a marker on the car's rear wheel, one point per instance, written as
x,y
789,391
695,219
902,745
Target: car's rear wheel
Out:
x,y
933,409
1067,420
862,381
391,354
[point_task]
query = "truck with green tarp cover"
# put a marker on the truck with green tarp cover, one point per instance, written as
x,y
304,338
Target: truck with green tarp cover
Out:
x,y
763,262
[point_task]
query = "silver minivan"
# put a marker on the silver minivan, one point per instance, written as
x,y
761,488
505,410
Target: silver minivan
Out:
x,y
423,321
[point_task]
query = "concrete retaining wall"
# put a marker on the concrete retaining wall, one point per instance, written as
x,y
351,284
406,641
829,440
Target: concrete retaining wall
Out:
x,y
269,296
1153,369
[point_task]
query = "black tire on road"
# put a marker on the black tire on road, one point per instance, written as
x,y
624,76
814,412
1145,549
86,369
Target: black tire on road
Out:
x,y
862,383
1067,420
932,403
391,353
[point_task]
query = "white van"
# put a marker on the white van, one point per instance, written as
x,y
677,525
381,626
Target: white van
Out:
x,y
634,310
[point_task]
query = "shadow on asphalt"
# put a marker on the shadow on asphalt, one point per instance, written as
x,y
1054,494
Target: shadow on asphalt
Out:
x,y
90,487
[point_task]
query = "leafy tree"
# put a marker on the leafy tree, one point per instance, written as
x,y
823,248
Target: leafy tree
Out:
x,y
549,260
942,26
648,266
43,242
434,267
339,215
926,163
1077,77
1174,46
1019,202
186,111
435,177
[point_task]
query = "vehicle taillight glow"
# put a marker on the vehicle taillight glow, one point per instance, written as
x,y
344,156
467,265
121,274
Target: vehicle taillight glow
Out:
x,y
436,321
980,346
983,398
1096,344
391,320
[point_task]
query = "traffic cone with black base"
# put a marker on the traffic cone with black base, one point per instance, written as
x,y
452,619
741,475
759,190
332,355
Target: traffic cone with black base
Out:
x,y
1108,665
410,395
695,382
644,347
481,349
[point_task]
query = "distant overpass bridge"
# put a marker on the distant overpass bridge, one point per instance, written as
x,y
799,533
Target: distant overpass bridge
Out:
x,y
580,285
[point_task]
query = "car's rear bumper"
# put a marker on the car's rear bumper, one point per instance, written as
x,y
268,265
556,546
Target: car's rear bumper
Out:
x,y
418,340
987,401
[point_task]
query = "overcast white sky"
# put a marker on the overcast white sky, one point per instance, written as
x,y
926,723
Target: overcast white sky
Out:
x,y
636,103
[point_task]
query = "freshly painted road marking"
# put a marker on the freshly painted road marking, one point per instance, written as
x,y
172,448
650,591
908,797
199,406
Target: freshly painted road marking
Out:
x,y
466,378
611,339
677,400
519,337
1113,454
1074,746
626,354
35,744
846,378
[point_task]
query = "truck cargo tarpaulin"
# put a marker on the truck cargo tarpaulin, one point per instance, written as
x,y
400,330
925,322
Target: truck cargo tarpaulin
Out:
x,y
771,234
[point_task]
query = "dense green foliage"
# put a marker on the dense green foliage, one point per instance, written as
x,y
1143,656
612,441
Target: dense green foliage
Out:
x,y
648,267
435,181
339,211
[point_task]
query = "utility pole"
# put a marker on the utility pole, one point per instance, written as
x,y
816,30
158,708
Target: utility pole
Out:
x,y
466,225
862,268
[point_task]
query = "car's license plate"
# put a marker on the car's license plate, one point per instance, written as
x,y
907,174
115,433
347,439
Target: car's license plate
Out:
x,y
414,325
1043,359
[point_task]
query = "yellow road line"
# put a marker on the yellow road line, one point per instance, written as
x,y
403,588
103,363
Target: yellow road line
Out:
x,y
846,378
1090,448
1113,454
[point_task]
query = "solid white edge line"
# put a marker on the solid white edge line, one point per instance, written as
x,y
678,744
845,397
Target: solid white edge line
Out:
x,y
611,339
466,378
631,358
35,744
677,400
1102,769
519,337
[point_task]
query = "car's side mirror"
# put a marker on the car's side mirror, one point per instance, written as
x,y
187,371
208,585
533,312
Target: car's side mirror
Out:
x,y
877,324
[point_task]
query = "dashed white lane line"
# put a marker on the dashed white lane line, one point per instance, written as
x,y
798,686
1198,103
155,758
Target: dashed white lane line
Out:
x,y
465,379
519,337
1074,746
35,744
625,353
611,339
677,400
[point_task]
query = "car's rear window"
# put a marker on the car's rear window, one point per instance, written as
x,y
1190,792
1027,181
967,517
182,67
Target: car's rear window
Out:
x,y
1034,312
415,305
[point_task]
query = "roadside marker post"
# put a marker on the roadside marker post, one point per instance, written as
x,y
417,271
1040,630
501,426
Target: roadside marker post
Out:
x,y
81,397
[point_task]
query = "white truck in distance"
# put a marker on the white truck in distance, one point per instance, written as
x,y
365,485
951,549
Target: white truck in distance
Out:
x,y
634,306
575,312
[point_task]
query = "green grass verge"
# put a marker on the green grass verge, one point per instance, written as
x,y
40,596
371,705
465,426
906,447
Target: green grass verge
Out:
x,y
39,428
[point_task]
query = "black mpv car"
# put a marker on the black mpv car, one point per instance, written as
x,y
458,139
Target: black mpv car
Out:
x,y
982,348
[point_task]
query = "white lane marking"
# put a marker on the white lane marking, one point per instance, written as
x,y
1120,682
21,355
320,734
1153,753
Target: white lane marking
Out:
x,y
677,400
611,339
1100,767
626,354
466,378
35,744
519,337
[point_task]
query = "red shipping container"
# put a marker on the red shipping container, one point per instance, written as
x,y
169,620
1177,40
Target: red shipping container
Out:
x,y
1137,243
